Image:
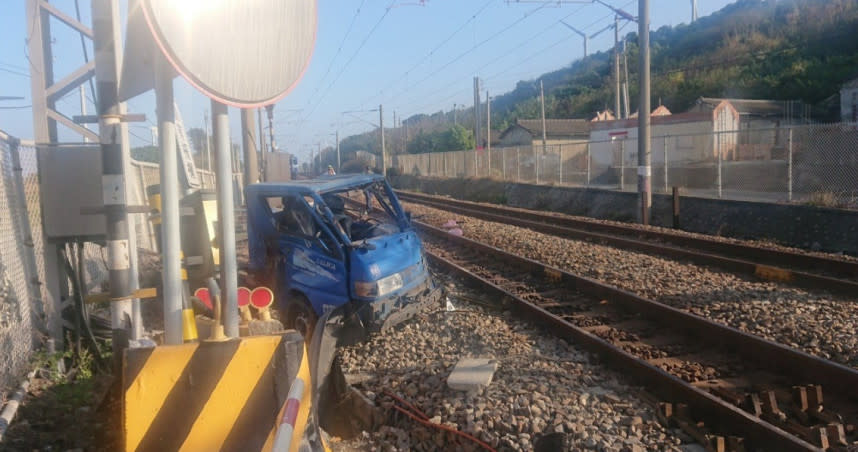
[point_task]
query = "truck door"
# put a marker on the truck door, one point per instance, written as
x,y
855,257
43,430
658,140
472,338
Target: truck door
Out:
x,y
311,260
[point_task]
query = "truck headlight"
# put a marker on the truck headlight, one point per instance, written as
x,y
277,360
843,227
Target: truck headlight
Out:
x,y
379,288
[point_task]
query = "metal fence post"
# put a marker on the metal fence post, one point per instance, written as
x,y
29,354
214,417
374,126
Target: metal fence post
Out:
x,y
789,167
718,151
622,164
535,163
503,162
666,137
588,163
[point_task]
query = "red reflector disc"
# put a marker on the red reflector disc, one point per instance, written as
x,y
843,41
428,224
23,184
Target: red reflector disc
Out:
x,y
261,297
243,297
203,294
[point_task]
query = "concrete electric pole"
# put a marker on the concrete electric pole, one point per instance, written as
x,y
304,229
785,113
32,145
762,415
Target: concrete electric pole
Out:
x,y
617,66
477,122
381,130
544,135
644,168
248,142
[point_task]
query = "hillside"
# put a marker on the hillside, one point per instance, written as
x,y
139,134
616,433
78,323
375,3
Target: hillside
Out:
x,y
783,50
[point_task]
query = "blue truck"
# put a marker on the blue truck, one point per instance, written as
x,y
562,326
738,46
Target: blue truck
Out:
x,y
337,242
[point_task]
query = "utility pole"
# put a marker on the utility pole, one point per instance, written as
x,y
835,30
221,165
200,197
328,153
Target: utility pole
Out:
x,y
489,132
339,165
542,101
106,41
617,66
477,131
319,165
381,130
693,11
262,169
248,142
208,141
626,107
455,120
644,164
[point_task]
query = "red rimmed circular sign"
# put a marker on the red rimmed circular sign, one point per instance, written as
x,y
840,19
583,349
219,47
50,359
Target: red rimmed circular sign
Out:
x,y
243,297
261,297
245,53
203,294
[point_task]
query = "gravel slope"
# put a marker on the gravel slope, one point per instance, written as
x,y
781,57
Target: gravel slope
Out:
x,y
542,385
816,322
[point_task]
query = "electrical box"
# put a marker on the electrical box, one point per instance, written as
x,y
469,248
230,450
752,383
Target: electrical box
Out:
x,y
70,180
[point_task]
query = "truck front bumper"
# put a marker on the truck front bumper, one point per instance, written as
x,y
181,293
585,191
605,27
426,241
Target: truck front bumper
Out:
x,y
384,314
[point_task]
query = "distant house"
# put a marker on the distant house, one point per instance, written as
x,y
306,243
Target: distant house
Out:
x,y
604,115
849,102
527,132
759,114
691,137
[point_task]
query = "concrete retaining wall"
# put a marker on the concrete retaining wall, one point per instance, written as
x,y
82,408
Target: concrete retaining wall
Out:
x,y
818,228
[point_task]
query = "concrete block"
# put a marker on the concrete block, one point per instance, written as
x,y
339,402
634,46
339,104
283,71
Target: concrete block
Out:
x,y
471,374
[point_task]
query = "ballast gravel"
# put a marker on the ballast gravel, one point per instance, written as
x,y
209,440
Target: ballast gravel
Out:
x,y
817,322
542,385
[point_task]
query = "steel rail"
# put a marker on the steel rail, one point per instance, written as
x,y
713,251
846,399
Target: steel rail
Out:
x,y
779,358
756,261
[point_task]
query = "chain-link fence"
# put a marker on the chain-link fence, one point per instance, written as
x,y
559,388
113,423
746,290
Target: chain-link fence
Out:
x,y
22,311
814,164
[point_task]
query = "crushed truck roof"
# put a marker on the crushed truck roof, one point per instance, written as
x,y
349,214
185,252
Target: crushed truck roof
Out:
x,y
321,185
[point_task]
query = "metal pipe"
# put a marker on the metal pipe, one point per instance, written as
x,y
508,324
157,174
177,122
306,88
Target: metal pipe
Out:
x,y
789,167
226,219
171,245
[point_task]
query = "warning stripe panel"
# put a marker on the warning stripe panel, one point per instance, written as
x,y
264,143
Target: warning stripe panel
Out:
x,y
207,396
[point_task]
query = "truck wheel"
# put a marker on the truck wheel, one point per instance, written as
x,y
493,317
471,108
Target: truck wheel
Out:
x,y
301,317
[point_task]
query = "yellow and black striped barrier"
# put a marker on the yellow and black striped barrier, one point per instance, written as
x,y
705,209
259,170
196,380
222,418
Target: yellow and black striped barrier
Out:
x,y
212,396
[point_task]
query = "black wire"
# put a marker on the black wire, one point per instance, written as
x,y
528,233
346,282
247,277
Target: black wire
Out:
x,y
79,309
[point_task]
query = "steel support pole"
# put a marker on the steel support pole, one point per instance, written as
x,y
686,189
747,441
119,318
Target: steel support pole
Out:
x,y
789,167
718,152
622,165
105,19
489,133
381,130
588,163
665,164
171,277
644,157
226,220
248,142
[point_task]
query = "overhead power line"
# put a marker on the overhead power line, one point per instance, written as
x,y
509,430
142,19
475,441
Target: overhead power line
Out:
x,y
345,66
435,49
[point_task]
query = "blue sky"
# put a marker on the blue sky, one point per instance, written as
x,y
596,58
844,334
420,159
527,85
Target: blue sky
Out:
x,y
410,57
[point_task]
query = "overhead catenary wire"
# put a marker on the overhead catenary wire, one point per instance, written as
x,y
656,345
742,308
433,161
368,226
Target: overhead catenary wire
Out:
x,y
435,49
339,49
349,61
522,44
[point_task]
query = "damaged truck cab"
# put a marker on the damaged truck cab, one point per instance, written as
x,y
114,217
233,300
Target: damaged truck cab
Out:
x,y
338,242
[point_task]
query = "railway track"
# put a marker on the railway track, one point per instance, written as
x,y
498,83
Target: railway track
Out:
x,y
802,270
729,389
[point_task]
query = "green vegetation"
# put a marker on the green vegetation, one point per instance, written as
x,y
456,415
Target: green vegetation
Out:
x,y
455,138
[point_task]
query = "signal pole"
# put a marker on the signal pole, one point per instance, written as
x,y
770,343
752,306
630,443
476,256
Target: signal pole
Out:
x,y
381,130
644,168
542,101
477,131
617,66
